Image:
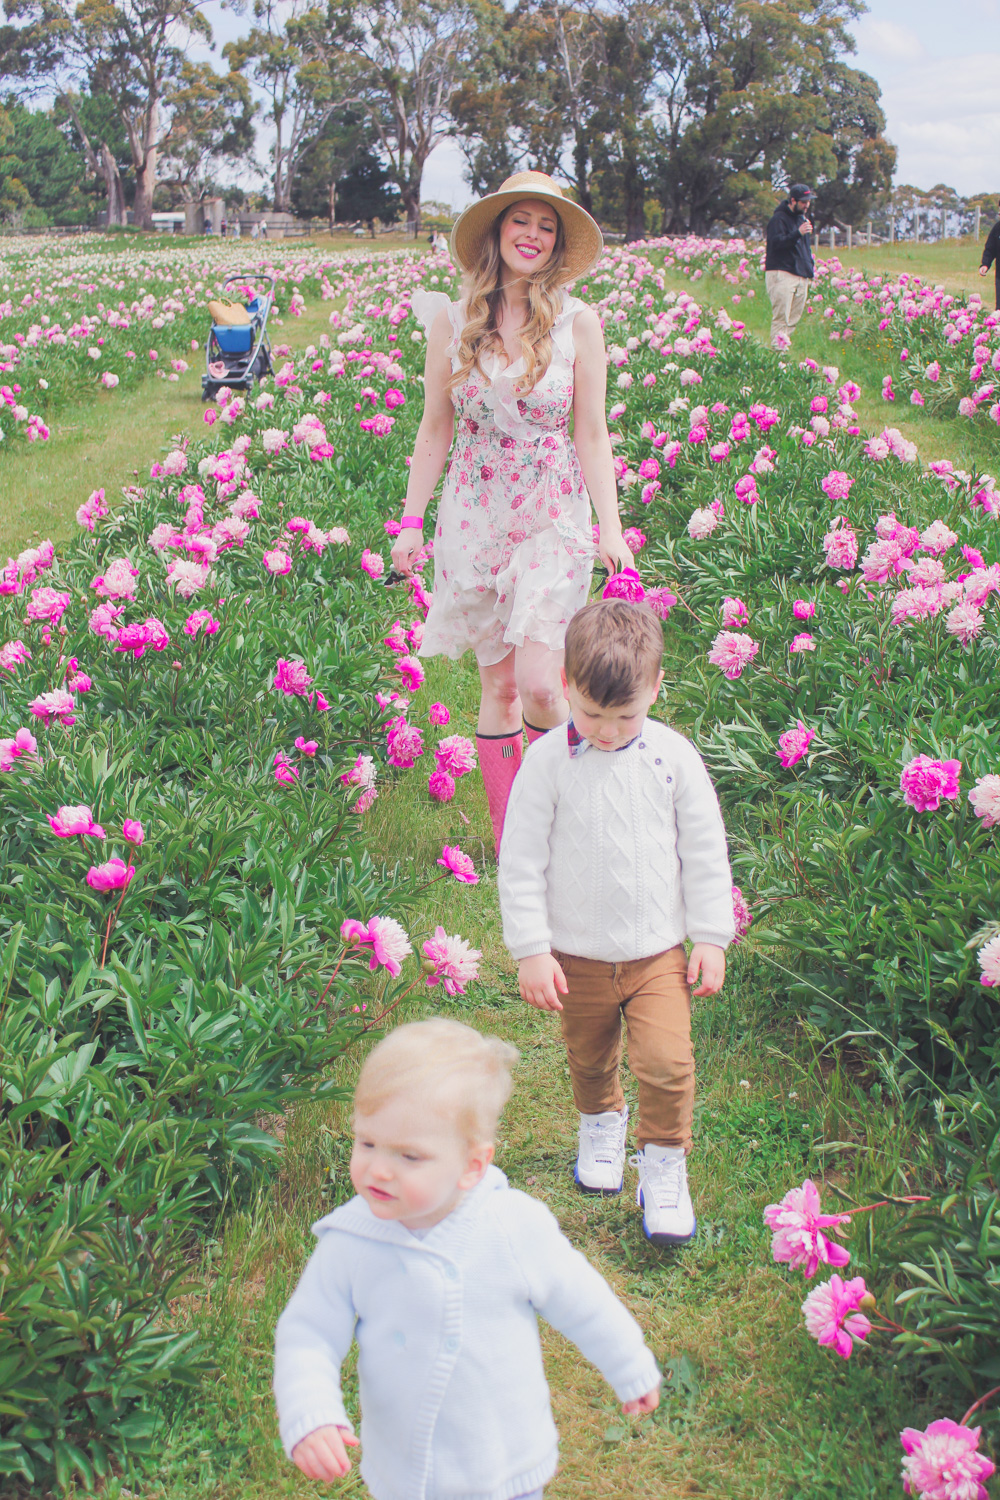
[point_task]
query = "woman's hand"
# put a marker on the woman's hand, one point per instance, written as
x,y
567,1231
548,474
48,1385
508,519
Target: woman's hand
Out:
x,y
405,548
615,555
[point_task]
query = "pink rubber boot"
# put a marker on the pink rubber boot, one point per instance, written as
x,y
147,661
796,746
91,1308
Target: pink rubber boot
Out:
x,y
533,733
499,761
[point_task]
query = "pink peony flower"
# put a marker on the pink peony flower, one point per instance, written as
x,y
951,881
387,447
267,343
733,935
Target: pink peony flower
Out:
x,y
794,744
118,582
802,642
836,485
75,822
404,743
113,875
361,774
943,1462
307,747
138,638
832,1317
47,604
924,782
387,940
455,963
438,714
13,655
411,670
624,585
702,523
938,538
91,510
965,622
985,800
441,786
23,743
291,677
365,801
55,705
734,612
989,962
276,561
741,915
455,754
732,651
132,831
460,865
803,609
797,1230
372,564
840,544
284,771
661,601
203,620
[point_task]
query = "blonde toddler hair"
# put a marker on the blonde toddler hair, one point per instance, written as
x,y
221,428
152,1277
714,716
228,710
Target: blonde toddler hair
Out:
x,y
451,1068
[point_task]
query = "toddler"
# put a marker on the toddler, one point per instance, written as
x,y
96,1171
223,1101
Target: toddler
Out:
x,y
439,1270
613,853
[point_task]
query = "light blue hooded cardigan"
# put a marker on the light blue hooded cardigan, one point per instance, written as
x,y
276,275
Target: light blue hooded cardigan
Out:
x,y
454,1401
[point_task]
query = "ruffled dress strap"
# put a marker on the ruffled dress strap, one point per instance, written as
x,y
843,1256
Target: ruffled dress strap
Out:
x,y
427,304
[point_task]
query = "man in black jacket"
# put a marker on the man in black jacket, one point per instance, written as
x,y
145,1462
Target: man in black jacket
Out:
x,y
991,257
788,264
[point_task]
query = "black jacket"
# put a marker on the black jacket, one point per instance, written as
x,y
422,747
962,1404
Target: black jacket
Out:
x,y
991,250
787,250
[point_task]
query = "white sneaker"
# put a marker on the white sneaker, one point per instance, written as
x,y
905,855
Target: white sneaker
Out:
x,y
667,1215
600,1162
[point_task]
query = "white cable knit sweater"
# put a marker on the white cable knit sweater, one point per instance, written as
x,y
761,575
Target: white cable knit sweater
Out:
x,y
453,1394
614,855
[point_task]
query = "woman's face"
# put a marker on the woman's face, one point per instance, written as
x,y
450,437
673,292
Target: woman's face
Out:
x,y
528,234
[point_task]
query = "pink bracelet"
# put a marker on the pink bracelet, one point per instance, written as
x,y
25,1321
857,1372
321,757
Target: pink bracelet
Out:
x,y
411,523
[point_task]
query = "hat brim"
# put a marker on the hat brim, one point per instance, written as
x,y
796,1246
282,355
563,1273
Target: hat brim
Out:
x,y
584,242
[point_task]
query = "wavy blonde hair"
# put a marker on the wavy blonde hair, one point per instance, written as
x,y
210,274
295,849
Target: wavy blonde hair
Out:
x,y
483,301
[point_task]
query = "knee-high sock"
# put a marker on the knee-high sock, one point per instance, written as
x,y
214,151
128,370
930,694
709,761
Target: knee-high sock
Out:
x,y
499,761
533,733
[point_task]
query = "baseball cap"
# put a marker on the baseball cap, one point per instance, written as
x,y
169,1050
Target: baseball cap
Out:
x,y
800,190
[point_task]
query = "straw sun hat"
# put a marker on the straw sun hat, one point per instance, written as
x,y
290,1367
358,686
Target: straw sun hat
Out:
x,y
584,241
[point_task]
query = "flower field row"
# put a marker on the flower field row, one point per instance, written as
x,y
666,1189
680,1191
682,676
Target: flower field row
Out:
x,y
198,701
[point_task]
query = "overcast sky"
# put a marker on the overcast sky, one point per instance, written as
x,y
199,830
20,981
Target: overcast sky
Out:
x,y
936,61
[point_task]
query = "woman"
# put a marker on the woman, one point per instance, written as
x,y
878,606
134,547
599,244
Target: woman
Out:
x,y
513,551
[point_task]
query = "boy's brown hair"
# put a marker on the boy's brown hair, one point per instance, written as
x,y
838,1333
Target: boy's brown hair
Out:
x,y
613,651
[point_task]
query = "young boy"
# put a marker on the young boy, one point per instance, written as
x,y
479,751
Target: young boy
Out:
x,y
439,1270
613,853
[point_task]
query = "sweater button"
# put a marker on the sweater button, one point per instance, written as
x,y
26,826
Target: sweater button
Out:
x,y
451,1273
451,1345
642,746
659,761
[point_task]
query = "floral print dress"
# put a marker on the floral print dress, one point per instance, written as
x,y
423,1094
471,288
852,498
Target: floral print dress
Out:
x,y
513,548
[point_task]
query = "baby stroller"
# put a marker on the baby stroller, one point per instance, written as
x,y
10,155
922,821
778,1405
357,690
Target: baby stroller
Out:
x,y
238,353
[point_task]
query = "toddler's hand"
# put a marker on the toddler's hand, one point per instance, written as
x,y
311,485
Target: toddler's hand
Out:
x,y
539,977
710,962
984,271
645,1404
323,1455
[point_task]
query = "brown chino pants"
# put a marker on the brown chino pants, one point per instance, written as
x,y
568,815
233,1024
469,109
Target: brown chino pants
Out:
x,y
653,996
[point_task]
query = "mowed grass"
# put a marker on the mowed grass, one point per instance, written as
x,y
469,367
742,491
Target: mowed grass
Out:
x,y
752,1410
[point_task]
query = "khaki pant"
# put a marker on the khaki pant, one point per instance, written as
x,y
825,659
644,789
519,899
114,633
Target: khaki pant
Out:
x,y
653,996
788,299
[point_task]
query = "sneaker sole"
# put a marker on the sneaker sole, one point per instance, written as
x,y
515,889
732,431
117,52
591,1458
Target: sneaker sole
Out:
x,y
664,1239
596,1192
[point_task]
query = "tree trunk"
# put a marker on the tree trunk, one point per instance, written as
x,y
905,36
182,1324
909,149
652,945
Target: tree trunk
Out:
x,y
581,163
333,205
633,191
410,194
145,162
112,187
